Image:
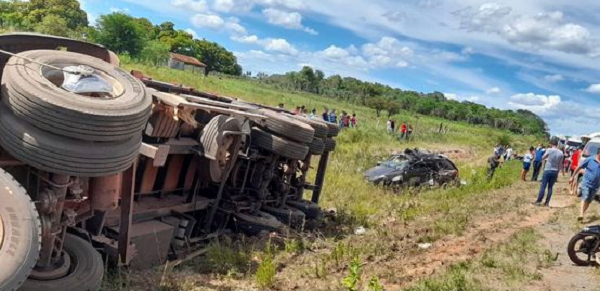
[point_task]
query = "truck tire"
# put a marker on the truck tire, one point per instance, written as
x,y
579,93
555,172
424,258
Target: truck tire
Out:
x,y
334,129
253,224
217,147
49,152
310,209
330,144
33,97
86,275
287,127
277,145
292,217
321,129
20,233
317,147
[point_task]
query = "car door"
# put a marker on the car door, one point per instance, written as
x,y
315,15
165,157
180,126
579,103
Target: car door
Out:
x,y
417,174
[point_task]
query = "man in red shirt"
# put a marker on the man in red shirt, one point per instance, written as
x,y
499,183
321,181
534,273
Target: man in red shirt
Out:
x,y
403,129
574,163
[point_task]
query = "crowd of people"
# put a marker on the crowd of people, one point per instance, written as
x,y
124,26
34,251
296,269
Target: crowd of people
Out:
x,y
345,120
548,162
406,130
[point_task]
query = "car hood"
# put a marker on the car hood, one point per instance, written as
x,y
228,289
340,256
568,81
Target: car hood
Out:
x,y
372,173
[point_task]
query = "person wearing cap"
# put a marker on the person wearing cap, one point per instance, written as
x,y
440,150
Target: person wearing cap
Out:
x,y
554,163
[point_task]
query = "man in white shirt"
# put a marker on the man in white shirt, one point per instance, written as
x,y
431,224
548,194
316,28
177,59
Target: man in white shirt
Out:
x,y
509,153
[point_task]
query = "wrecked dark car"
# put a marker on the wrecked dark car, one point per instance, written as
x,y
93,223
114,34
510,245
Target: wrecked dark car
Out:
x,y
414,169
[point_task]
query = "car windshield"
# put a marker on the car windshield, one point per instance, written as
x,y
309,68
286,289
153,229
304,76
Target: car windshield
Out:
x,y
573,143
591,148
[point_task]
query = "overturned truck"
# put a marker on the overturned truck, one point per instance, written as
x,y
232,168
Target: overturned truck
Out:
x,y
101,166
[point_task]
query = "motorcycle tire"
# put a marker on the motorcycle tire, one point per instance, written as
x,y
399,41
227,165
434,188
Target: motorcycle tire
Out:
x,y
572,252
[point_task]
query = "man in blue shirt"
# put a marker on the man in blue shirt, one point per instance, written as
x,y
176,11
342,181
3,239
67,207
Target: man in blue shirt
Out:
x,y
537,162
590,181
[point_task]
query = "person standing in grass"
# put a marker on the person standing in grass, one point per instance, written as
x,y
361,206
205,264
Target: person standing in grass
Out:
x,y
494,162
313,113
589,183
389,126
537,162
326,114
409,132
527,158
509,153
403,129
554,163
353,120
332,116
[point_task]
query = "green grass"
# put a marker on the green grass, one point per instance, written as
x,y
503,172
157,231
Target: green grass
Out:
x,y
358,203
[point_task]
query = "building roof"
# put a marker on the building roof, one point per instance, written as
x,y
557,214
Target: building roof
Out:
x,y
187,60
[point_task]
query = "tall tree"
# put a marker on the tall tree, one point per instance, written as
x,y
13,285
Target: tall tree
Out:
x,y
69,10
217,58
119,32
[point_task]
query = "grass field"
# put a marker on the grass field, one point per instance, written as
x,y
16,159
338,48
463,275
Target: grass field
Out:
x,y
333,258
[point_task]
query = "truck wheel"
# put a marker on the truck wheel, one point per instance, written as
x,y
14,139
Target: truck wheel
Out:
x,y
56,154
321,129
310,209
254,224
287,127
20,233
334,129
330,144
317,147
85,273
288,215
277,145
217,148
34,93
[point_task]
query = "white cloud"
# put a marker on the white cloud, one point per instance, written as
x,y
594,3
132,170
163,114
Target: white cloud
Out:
x,y
192,32
211,21
553,78
119,10
542,31
215,22
594,88
223,5
245,39
540,104
289,20
335,52
460,98
493,91
387,51
194,6
467,51
280,45
310,31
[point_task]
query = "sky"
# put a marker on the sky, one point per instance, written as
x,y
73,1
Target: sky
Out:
x,y
540,55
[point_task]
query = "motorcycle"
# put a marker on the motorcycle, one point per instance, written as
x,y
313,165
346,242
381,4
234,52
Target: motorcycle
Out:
x,y
584,246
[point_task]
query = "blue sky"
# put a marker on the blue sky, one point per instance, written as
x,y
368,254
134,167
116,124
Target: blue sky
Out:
x,y
539,55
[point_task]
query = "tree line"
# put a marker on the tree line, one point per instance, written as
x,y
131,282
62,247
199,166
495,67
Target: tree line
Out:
x,y
392,100
137,37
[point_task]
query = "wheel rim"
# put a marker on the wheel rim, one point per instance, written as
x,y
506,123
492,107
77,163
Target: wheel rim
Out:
x,y
57,78
62,268
583,248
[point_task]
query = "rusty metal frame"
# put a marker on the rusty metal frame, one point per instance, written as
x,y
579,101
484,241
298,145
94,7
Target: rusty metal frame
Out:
x,y
224,178
127,194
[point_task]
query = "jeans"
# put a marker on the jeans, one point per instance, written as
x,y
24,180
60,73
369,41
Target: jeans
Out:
x,y
536,170
548,180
